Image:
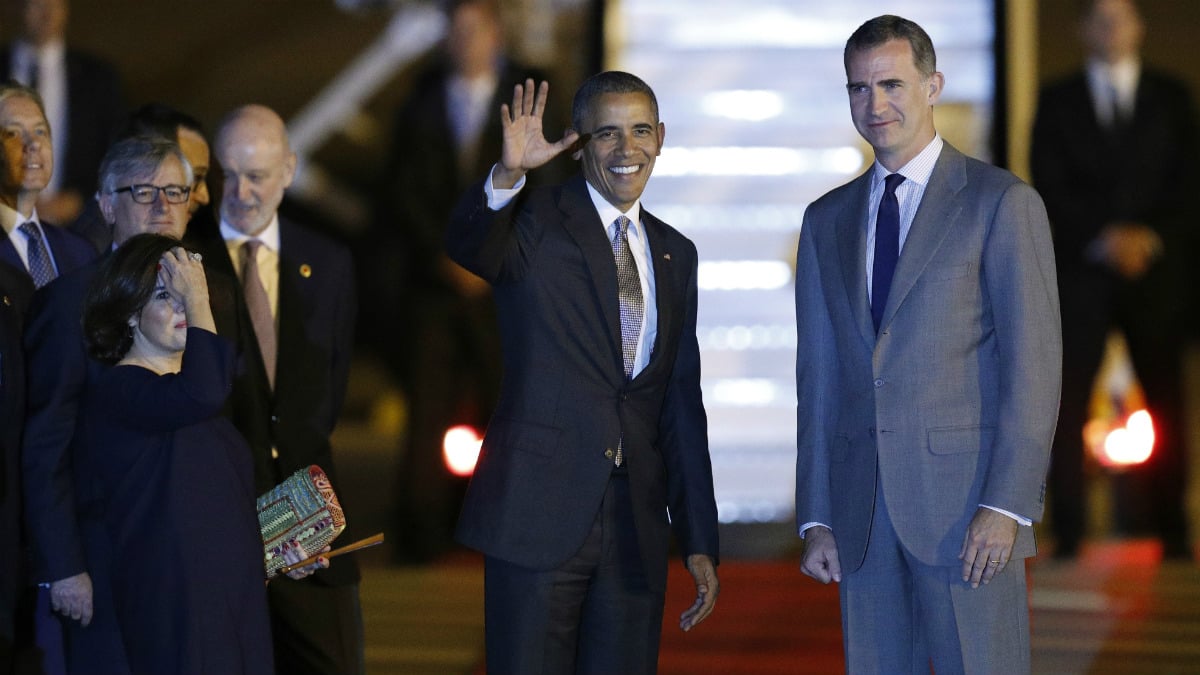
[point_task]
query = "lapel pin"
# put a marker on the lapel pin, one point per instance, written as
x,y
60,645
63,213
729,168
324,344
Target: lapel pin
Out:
x,y
666,256
7,302
305,271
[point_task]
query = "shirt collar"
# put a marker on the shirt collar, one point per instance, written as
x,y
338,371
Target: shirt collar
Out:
x,y
11,219
1123,75
609,213
51,52
918,169
269,236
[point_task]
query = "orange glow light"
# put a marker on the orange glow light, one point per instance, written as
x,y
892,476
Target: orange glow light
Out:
x,y
460,449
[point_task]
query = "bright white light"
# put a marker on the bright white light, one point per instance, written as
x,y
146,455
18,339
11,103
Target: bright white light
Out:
x,y
743,104
744,392
760,336
769,28
460,449
1131,444
757,161
743,275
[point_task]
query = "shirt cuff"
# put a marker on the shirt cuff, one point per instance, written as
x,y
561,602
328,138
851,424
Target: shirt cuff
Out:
x,y
1020,519
807,526
496,197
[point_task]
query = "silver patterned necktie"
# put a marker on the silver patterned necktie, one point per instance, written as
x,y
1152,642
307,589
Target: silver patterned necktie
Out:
x,y
40,267
629,294
629,290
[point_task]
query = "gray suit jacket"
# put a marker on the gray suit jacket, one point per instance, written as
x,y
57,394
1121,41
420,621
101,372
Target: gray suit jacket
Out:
x,y
954,404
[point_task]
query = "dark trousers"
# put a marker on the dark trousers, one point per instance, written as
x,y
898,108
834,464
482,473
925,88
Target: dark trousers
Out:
x,y
1155,490
317,629
592,615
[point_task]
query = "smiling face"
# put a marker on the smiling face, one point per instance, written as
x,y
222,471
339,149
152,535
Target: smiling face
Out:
x,y
26,155
890,102
626,137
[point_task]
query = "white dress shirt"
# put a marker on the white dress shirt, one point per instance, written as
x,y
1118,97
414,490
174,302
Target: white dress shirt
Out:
x,y
268,257
1113,87
10,220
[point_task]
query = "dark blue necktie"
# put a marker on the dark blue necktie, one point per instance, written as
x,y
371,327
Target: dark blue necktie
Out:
x,y
40,267
887,246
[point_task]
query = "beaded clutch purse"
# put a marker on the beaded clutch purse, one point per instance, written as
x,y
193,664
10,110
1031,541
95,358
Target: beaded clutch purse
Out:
x,y
301,510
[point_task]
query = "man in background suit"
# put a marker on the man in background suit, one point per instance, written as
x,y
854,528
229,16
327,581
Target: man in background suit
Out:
x,y
82,95
63,512
157,119
40,251
12,421
927,379
440,338
598,447
1114,155
295,331
37,253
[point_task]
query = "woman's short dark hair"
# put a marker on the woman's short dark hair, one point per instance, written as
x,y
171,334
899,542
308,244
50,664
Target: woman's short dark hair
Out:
x,y
122,287
608,82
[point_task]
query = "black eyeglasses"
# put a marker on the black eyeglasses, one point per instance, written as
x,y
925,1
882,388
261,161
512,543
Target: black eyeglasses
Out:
x,y
146,194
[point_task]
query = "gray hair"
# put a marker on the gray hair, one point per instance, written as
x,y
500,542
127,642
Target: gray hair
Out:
x,y
138,156
14,89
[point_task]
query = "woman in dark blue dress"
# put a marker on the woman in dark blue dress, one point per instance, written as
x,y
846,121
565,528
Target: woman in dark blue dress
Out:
x,y
188,571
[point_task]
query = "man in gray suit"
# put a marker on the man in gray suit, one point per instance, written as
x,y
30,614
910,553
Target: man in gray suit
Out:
x,y
927,377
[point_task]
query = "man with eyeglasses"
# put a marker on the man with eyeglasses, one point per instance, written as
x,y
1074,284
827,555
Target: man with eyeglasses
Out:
x,y
157,119
145,183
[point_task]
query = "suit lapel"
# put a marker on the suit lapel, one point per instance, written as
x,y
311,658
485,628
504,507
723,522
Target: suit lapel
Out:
x,y
583,225
936,214
295,271
852,250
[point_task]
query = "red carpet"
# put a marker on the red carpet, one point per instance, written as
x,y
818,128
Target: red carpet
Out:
x,y
770,620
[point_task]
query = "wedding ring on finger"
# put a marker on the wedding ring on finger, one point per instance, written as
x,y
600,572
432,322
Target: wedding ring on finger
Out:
x,y
195,256
993,562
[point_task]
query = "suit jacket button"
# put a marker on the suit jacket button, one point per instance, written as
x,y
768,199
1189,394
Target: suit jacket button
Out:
x,y
609,454
879,382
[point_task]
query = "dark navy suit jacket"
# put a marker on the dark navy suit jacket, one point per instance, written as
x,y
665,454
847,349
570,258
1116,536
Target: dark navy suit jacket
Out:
x,y
565,403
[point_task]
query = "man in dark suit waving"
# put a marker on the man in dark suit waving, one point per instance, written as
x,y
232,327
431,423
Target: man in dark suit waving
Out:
x,y
294,323
927,379
600,431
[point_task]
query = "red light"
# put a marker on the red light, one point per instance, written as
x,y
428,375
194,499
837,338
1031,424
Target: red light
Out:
x,y
1127,445
460,449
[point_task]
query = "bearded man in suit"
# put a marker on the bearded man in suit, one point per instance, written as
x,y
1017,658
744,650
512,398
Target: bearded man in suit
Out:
x,y
294,324
927,379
